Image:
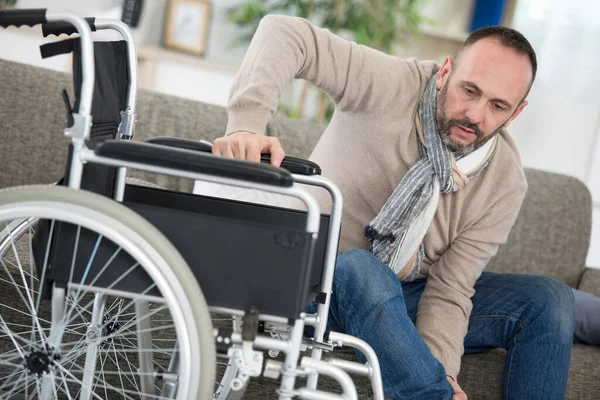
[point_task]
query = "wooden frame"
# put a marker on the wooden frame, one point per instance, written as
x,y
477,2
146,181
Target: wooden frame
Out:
x,y
187,24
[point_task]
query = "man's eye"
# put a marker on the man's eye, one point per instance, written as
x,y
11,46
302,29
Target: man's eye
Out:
x,y
498,107
470,92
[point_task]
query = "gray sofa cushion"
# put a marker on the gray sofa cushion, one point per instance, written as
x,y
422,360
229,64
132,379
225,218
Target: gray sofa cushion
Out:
x,y
552,232
481,374
590,281
32,115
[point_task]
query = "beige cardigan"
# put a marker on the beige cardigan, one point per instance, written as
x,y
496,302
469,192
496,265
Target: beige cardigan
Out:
x,y
369,145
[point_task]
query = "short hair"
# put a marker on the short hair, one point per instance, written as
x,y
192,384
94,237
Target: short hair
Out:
x,y
507,37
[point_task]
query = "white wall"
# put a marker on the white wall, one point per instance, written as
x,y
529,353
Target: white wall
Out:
x,y
594,254
560,129
24,48
209,86
222,34
83,8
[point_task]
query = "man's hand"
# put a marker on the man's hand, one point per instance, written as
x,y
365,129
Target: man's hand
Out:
x,y
458,392
249,146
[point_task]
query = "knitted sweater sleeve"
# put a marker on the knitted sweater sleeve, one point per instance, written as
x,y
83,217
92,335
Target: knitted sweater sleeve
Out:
x,y
445,305
357,78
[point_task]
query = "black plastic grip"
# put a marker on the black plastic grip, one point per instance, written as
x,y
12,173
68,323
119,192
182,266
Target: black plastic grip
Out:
x,y
250,325
295,165
18,18
292,164
188,160
58,28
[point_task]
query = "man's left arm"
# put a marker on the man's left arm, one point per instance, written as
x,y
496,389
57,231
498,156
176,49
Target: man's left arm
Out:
x,y
445,305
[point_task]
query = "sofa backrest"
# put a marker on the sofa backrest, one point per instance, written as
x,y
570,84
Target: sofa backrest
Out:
x,y
551,235
32,119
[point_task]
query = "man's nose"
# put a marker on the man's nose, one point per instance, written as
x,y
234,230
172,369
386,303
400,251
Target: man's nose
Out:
x,y
475,112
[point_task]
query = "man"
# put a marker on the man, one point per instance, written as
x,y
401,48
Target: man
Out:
x,y
432,185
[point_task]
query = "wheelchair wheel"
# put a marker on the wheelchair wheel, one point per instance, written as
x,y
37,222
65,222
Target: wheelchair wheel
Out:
x,y
88,336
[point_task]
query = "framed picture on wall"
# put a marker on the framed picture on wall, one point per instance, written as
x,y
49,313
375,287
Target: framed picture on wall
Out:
x,y
187,24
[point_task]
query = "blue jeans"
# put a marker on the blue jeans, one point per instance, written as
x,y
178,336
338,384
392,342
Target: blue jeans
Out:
x,y
531,316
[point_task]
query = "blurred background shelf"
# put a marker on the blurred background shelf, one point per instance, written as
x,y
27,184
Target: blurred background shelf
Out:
x,y
150,53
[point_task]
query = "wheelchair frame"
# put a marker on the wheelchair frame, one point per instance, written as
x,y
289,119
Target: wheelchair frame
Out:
x,y
312,366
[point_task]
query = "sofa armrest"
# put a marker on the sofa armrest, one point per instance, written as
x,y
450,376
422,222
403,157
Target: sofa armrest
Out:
x,y
590,281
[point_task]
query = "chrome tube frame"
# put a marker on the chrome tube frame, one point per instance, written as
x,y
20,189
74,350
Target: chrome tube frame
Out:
x,y
241,313
94,332
58,313
119,192
264,343
372,361
335,223
290,366
80,131
349,390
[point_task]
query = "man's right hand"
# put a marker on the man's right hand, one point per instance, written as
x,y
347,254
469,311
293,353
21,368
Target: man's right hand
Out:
x,y
249,146
459,394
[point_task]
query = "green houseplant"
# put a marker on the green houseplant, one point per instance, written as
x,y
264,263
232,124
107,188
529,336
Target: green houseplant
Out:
x,y
7,4
375,23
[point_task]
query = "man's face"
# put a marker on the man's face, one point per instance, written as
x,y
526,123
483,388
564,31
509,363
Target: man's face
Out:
x,y
480,94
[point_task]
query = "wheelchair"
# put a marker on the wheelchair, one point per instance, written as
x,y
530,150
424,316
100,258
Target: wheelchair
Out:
x,y
119,289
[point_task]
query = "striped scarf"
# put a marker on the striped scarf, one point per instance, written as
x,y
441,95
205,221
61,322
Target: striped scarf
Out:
x,y
397,232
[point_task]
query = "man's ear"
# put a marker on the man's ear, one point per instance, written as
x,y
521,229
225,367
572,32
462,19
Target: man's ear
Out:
x,y
444,73
517,111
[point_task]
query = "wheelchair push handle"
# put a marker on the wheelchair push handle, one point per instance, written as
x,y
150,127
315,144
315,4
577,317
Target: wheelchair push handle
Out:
x,y
57,28
19,18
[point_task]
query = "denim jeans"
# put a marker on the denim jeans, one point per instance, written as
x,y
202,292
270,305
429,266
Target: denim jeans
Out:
x,y
531,316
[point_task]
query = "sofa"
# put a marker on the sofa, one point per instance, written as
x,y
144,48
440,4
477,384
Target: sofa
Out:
x,y
551,235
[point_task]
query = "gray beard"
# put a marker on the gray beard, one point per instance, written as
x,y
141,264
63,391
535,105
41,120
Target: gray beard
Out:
x,y
458,151
463,151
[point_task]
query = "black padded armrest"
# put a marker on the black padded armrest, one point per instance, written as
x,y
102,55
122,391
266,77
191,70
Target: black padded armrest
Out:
x,y
292,164
181,143
192,161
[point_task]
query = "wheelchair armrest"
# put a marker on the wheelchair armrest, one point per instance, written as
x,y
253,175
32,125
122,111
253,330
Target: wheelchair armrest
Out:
x,y
192,161
292,164
181,143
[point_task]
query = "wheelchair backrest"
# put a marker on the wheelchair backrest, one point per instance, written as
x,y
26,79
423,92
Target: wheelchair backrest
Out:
x,y
109,100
